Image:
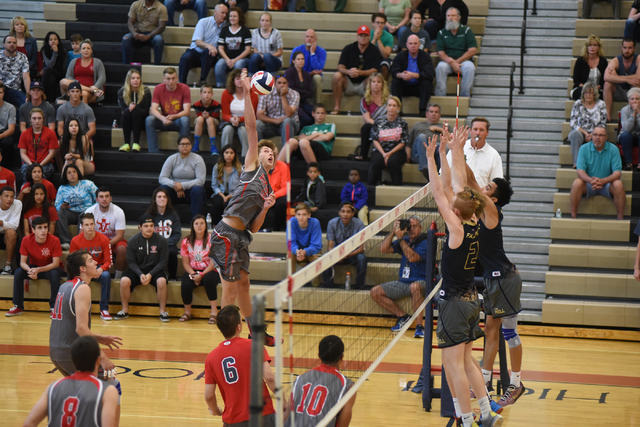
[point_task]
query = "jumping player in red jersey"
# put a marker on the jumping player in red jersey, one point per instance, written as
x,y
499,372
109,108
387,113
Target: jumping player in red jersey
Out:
x,y
245,213
72,319
228,366
80,399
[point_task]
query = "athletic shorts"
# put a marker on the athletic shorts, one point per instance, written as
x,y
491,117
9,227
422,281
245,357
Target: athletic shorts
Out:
x,y
354,88
267,421
135,279
502,295
397,289
65,367
386,63
230,251
458,322
620,94
318,151
604,191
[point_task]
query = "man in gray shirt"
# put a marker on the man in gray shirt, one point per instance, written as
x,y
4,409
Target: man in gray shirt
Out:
x,y
183,175
7,128
76,109
203,51
420,134
35,99
339,230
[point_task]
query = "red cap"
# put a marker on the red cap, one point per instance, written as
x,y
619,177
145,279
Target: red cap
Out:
x,y
363,29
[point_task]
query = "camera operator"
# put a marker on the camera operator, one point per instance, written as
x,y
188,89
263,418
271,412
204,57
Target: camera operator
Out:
x,y
411,244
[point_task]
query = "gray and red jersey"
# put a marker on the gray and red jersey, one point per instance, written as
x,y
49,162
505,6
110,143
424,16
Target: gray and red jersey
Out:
x,y
76,401
247,199
63,326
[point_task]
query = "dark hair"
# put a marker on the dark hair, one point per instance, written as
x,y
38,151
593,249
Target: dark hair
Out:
x,y
221,162
103,189
192,235
411,13
181,137
62,52
39,220
240,15
65,143
169,70
330,349
4,40
153,208
503,191
343,204
319,105
206,85
481,119
295,55
314,165
378,15
87,215
76,38
85,351
228,320
65,180
2,86
629,41
31,201
7,188
75,260
231,85
30,169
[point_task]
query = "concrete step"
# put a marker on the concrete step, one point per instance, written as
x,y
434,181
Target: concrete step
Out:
x,y
528,72
541,5
539,62
23,6
523,259
533,287
534,196
529,182
525,147
532,103
527,220
517,14
515,245
529,91
533,51
530,232
531,42
532,276
548,23
529,207
522,113
531,301
543,82
532,171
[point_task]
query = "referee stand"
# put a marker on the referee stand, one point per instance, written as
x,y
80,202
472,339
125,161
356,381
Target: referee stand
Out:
x,y
425,383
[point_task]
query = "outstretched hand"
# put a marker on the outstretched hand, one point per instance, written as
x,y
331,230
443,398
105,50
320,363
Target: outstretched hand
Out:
x,y
458,137
431,147
110,341
246,81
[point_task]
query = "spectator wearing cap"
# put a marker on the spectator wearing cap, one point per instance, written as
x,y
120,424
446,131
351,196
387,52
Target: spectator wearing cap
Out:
x,y
78,110
147,254
413,73
357,62
147,21
7,127
38,144
14,72
35,99
339,230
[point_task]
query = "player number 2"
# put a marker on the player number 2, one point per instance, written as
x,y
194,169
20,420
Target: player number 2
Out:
x,y
230,371
69,410
472,256
316,403
57,311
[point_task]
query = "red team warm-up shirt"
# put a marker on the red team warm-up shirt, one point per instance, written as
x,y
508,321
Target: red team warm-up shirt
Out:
x,y
99,248
41,254
229,367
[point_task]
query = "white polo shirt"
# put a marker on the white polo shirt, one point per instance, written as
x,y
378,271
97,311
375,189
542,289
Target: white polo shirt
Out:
x,y
485,162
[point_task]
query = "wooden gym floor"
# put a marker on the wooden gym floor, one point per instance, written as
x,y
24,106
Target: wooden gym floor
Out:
x,y
569,381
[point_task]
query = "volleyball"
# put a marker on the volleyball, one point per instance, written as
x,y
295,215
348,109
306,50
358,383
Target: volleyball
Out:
x,y
262,83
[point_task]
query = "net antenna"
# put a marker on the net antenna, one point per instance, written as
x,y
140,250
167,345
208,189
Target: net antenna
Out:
x,y
349,313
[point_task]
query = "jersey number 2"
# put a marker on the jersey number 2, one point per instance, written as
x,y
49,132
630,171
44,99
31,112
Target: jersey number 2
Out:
x,y
230,371
472,256
69,411
316,403
57,311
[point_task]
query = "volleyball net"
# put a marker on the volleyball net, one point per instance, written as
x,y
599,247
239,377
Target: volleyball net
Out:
x,y
314,302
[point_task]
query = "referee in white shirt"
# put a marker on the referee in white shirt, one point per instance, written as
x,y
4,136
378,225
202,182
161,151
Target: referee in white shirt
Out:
x,y
482,158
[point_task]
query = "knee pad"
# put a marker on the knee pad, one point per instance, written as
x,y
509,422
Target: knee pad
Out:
x,y
116,383
510,330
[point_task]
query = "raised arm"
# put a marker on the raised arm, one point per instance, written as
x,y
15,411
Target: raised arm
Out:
x,y
250,161
458,169
445,171
490,215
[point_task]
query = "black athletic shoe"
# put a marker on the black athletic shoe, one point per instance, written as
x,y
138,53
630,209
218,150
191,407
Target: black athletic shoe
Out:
x,y
269,340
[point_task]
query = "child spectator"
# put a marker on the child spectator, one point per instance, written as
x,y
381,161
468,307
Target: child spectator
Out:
x,y
315,142
306,236
313,193
356,193
208,110
37,205
74,53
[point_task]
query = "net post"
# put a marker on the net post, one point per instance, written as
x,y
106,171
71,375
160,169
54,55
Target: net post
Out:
x,y
505,379
279,391
256,402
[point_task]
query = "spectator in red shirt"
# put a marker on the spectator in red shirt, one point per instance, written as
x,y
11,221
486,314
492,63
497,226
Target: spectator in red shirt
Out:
x,y
278,178
38,144
37,205
97,244
40,254
6,176
218,368
174,101
34,176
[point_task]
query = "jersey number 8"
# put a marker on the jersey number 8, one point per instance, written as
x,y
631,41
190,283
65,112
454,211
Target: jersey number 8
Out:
x,y
69,411
230,371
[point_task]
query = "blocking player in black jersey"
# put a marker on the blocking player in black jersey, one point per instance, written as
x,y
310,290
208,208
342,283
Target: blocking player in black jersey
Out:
x,y
245,213
459,307
80,399
502,287
317,391
72,319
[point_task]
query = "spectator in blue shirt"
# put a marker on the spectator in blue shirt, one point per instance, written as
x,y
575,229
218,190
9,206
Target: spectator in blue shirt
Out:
x,y
413,73
411,244
315,58
356,193
339,230
306,237
599,170
75,196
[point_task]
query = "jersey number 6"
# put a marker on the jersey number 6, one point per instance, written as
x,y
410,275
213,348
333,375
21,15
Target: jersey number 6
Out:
x,y
230,371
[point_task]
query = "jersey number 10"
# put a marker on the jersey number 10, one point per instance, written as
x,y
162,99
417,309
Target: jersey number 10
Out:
x,y
316,403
